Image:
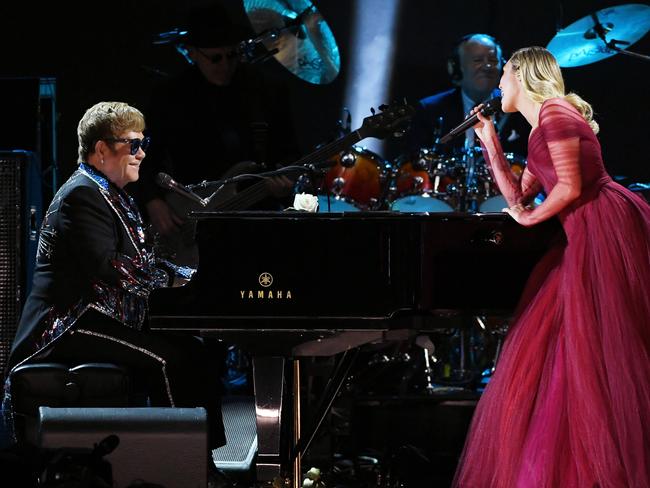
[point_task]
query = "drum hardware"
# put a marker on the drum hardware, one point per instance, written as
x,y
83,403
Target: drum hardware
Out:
x,y
461,183
424,160
420,183
468,199
428,372
379,359
348,159
456,358
337,186
498,332
440,172
492,200
472,197
428,349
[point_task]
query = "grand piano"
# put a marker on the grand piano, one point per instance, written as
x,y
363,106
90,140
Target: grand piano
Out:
x,y
292,284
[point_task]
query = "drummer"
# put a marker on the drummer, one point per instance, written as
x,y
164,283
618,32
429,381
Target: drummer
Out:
x,y
474,67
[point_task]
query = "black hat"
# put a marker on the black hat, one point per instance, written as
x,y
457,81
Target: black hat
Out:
x,y
211,26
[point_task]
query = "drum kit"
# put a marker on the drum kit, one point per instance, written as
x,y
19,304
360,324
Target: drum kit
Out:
x,y
428,182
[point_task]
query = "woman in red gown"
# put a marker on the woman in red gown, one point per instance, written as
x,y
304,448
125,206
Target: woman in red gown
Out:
x,y
569,404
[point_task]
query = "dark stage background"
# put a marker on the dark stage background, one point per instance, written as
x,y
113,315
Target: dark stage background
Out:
x,y
103,51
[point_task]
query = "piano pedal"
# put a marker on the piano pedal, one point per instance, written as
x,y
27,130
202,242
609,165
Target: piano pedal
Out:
x,y
236,457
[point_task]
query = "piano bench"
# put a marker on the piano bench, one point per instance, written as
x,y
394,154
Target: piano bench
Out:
x,y
61,385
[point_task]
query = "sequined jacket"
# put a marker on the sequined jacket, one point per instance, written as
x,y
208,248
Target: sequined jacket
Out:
x,y
91,255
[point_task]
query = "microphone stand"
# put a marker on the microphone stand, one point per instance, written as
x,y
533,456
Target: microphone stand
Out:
x,y
250,176
601,31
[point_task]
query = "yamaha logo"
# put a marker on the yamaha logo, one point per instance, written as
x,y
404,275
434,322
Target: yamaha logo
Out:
x,y
265,280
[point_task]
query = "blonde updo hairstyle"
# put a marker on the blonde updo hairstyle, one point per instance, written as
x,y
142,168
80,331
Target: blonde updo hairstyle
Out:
x,y
541,78
106,120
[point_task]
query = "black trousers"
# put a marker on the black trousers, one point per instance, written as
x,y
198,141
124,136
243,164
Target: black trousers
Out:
x,y
175,369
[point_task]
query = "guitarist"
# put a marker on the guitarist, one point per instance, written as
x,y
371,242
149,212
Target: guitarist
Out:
x,y
217,113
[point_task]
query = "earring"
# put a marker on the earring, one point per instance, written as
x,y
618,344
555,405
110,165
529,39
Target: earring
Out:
x,y
102,160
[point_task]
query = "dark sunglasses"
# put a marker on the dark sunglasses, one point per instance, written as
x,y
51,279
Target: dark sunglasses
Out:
x,y
136,144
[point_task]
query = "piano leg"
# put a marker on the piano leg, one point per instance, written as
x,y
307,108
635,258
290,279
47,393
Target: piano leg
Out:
x,y
297,461
268,381
332,389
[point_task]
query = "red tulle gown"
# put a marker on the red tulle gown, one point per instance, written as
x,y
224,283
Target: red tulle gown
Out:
x,y
569,403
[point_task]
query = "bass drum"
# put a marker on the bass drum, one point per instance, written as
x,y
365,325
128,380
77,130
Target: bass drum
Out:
x,y
496,203
330,203
424,185
357,181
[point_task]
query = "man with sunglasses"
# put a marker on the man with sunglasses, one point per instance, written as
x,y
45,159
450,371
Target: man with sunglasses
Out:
x,y
216,114
94,273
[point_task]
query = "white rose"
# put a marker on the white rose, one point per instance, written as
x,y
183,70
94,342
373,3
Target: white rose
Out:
x,y
305,201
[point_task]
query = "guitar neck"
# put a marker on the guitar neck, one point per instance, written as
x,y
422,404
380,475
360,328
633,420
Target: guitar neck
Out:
x,y
328,150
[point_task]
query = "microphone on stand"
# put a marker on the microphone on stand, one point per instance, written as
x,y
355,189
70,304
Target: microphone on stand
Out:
x,y
168,183
491,107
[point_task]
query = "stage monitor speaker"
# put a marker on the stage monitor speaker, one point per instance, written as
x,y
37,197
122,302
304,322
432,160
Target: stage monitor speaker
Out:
x,y
157,445
20,220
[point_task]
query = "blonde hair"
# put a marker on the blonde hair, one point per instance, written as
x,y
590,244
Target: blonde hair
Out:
x,y
541,78
105,120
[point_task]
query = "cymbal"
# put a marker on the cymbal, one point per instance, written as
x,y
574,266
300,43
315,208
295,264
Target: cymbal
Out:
x,y
304,43
579,43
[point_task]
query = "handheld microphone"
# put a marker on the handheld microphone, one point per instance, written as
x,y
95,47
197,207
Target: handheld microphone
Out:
x,y
491,107
168,183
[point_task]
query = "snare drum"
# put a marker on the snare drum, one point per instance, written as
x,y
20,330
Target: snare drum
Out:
x,y
424,184
356,182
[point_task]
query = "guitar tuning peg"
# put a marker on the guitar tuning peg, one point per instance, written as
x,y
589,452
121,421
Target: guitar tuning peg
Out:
x,y
372,110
